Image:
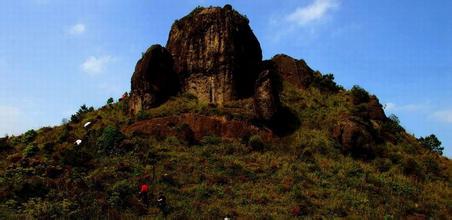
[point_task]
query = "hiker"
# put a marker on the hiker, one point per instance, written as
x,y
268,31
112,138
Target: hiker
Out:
x,y
161,203
144,190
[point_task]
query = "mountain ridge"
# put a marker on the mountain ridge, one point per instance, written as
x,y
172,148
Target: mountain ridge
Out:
x,y
221,132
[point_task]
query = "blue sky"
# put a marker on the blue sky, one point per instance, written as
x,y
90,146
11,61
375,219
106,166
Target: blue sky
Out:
x,y
58,54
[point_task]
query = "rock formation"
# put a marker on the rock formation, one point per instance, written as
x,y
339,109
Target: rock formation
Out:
x,y
154,79
193,127
266,94
216,53
294,71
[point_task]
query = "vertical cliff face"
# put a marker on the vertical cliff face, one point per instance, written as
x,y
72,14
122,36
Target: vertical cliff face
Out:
x,y
154,79
216,54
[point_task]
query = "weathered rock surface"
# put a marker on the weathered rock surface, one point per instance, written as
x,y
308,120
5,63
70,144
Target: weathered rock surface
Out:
x,y
199,126
154,79
294,71
354,137
375,109
216,54
266,95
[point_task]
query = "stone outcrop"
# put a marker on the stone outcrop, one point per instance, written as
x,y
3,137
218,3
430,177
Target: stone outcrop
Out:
x,y
294,71
189,127
375,109
154,79
216,54
353,136
266,95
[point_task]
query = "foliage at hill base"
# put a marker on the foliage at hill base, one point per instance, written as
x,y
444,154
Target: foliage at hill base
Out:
x,y
304,173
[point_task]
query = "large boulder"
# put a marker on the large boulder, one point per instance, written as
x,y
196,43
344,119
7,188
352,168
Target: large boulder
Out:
x,y
154,79
216,53
355,138
294,71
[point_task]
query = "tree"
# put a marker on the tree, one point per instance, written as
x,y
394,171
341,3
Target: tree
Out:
x,y
110,101
359,94
432,143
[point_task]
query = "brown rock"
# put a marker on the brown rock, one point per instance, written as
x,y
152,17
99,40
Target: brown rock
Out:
x,y
375,109
153,80
217,54
294,71
200,125
354,137
266,95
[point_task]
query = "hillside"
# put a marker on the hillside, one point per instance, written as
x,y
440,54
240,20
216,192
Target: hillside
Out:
x,y
221,132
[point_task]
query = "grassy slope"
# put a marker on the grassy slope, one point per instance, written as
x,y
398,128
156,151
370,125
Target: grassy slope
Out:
x,y
305,173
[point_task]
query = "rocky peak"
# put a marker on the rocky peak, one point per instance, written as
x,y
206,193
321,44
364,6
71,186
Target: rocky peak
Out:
x,y
294,71
154,79
216,54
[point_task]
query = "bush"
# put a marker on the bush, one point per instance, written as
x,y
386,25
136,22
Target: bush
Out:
x,y
392,125
383,164
4,144
109,140
77,117
30,151
110,101
210,140
325,82
256,142
431,143
411,167
143,115
119,194
359,94
29,136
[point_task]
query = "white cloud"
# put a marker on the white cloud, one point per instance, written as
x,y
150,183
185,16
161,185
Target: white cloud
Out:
x,y
77,29
392,107
443,116
96,65
313,12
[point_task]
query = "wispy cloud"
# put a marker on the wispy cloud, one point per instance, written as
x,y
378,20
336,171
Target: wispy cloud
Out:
x,y
304,24
313,12
443,116
393,107
96,65
77,29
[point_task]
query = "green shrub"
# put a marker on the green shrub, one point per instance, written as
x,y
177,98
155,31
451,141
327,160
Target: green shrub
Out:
x,y
110,101
210,140
30,151
4,145
359,94
142,115
383,164
325,82
119,194
432,143
78,116
392,124
109,139
256,142
412,167
29,136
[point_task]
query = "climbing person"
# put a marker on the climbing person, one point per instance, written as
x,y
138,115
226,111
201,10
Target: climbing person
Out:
x,y
144,190
161,203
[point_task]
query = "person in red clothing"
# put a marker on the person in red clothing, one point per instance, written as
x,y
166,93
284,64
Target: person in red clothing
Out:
x,y
144,190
